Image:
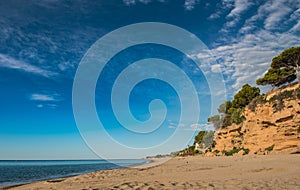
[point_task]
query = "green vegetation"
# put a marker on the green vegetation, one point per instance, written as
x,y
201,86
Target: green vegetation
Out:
x,y
284,68
245,96
199,137
298,93
236,150
204,138
246,150
282,95
231,112
270,148
277,77
256,101
190,150
278,99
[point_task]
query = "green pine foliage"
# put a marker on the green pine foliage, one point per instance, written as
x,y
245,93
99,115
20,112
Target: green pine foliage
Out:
x,y
284,68
231,112
245,96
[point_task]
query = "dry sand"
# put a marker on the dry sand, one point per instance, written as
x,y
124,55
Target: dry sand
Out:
x,y
246,172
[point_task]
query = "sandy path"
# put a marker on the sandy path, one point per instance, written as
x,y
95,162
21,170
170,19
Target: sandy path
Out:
x,y
247,172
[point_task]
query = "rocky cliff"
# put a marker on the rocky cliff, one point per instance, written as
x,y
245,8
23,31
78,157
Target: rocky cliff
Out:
x,y
266,130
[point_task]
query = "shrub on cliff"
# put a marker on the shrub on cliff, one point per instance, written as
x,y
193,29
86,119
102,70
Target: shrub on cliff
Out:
x,y
278,99
245,96
298,93
236,150
204,138
256,101
231,112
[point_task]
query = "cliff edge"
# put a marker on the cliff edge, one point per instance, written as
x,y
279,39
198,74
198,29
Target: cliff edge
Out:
x,y
269,128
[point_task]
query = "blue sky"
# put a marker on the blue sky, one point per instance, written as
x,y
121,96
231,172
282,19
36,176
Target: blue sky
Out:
x,y
43,42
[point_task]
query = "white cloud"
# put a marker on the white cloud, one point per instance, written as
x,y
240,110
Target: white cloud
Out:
x,y
278,10
296,27
192,127
273,14
239,7
196,125
190,4
216,68
132,2
44,97
221,8
295,17
10,62
45,100
249,56
215,15
201,127
171,127
46,105
129,2
30,50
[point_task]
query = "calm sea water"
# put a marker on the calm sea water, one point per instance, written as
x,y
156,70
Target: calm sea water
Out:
x,y
18,172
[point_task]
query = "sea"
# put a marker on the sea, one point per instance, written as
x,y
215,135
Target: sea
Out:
x,y
26,171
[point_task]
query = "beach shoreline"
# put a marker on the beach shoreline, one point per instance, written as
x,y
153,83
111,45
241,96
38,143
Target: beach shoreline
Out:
x,y
194,172
148,163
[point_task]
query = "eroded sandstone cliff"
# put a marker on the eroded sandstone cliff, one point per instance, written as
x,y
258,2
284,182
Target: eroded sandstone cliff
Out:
x,y
266,130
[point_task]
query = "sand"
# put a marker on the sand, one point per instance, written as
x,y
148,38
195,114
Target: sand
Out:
x,y
245,172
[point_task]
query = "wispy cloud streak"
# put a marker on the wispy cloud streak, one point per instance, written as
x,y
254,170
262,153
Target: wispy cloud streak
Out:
x,y
12,63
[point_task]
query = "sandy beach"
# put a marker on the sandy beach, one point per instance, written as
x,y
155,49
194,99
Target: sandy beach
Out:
x,y
244,172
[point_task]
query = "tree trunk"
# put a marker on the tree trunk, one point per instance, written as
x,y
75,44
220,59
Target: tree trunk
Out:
x,y
297,62
298,73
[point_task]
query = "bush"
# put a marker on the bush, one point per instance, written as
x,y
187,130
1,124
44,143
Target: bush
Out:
x,y
256,101
270,148
287,94
216,120
188,151
236,150
204,138
298,93
236,116
278,106
243,97
279,99
231,112
246,150
232,152
283,95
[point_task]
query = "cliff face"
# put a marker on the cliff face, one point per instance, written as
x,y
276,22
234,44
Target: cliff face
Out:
x,y
265,131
